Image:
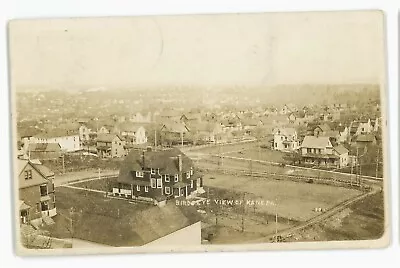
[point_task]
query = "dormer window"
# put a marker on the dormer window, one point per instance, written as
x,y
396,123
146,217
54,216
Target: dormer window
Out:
x,y
152,171
139,174
176,177
166,178
188,175
191,171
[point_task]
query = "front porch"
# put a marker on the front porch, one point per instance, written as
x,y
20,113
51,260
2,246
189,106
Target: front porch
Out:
x,y
328,161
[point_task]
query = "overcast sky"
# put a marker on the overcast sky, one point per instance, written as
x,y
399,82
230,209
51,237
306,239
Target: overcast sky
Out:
x,y
205,50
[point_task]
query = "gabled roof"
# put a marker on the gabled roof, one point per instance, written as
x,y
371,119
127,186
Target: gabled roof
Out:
x,y
316,142
166,161
340,149
284,131
143,225
324,127
21,164
107,137
45,171
174,127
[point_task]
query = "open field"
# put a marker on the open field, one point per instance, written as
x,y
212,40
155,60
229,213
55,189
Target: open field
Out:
x,y
240,166
253,150
74,163
83,174
363,220
257,153
294,200
226,148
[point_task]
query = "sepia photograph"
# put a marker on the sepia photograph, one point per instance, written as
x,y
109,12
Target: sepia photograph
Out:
x,y
223,132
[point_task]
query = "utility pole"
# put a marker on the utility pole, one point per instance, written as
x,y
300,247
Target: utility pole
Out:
x,y
63,163
71,212
357,163
182,139
351,174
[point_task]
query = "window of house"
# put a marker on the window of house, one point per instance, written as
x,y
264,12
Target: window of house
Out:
x,y
159,183
153,171
43,190
166,178
188,175
138,188
153,183
44,206
54,198
176,177
146,189
191,184
308,150
191,171
276,144
167,190
28,174
139,174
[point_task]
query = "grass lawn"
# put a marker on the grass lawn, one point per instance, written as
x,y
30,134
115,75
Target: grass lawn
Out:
x,y
294,200
101,184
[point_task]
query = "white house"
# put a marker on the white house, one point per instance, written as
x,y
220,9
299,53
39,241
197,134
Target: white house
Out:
x,y
285,139
316,150
68,140
133,133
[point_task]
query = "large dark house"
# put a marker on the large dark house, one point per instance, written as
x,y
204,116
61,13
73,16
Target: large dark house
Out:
x,y
156,176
